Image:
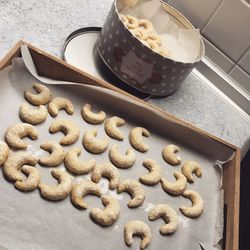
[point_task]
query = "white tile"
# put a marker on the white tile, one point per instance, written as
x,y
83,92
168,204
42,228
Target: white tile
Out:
x,y
245,62
229,28
216,56
241,77
197,11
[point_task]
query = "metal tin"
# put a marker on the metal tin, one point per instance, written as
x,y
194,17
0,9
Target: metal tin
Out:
x,y
80,51
136,64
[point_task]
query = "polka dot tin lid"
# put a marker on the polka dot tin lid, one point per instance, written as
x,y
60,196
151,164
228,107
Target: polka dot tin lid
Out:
x,y
87,58
135,63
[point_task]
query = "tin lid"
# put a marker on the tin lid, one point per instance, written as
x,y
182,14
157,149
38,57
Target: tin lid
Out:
x,y
80,51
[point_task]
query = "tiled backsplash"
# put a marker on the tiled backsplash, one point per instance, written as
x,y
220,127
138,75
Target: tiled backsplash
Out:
x,y
225,25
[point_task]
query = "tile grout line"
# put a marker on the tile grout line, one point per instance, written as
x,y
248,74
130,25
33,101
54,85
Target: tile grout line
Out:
x,y
210,64
214,48
221,50
237,61
237,65
243,54
231,70
218,7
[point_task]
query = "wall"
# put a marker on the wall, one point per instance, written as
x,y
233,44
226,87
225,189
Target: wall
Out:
x,y
225,25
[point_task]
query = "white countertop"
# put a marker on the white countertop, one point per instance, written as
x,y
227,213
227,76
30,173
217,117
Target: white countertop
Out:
x,y
47,23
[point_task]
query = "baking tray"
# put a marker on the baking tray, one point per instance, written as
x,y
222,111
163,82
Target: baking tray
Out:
x,y
231,169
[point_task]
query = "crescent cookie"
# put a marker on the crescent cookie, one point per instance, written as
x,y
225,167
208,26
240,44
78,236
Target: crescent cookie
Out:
x,y
120,160
154,37
136,138
17,132
91,117
56,157
138,228
177,187
4,152
59,103
68,128
108,171
146,25
111,129
135,190
14,163
34,116
60,191
140,34
75,165
190,167
32,181
166,53
168,214
93,144
169,156
154,175
197,204
80,190
129,21
42,97
154,46
107,216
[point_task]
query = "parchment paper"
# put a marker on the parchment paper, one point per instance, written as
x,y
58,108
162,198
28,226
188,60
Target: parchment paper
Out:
x,y
184,44
30,222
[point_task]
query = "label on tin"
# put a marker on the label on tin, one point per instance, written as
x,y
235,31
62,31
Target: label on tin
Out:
x,y
136,68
